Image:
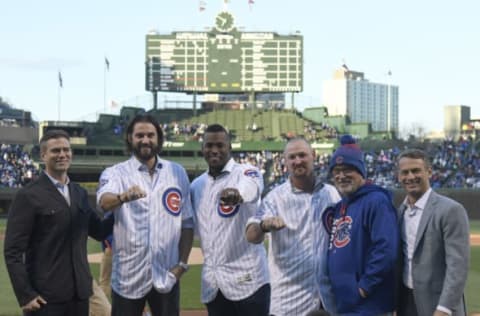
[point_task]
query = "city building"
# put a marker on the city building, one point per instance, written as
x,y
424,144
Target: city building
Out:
x,y
349,93
455,119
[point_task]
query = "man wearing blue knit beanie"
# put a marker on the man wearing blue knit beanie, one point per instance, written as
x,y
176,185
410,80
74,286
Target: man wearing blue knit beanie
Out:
x,y
364,237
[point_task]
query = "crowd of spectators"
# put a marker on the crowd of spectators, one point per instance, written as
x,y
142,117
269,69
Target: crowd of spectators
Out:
x,y
184,131
455,164
16,166
194,131
319,132
261,160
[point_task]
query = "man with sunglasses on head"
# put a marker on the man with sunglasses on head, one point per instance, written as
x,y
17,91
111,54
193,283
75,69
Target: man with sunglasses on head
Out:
x,y
364,237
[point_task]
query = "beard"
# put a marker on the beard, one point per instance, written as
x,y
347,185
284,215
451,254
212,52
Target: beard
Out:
x,y
145,152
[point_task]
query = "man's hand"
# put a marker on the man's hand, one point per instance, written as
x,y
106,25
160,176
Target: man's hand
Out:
x,y
34,304
272,223
230,197
362,292
439,313
177,271
133,193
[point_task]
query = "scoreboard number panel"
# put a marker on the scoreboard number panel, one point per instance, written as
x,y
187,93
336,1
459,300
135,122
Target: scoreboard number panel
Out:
x,y
224,60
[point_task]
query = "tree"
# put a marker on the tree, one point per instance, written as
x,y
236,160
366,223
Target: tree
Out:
x,y
4,103
414,132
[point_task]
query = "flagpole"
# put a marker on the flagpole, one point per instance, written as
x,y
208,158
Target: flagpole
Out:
x,y
105,86
59,100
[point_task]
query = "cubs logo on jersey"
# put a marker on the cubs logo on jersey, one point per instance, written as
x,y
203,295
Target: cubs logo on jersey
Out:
x,y
342,230
327,218
172,201
227,210
252,173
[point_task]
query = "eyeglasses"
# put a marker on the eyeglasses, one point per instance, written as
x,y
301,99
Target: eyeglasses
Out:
x,y
346,171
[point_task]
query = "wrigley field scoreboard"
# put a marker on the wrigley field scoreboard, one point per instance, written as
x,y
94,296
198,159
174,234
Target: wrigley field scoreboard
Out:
x,y
224,60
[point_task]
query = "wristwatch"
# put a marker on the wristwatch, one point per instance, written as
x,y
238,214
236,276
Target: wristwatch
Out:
x,y
183,265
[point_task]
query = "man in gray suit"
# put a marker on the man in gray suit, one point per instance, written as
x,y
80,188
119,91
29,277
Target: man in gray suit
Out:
x,y
435,243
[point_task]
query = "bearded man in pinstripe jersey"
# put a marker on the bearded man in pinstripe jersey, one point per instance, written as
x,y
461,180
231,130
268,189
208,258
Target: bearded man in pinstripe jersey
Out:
x,y
153,231
235,273
292,214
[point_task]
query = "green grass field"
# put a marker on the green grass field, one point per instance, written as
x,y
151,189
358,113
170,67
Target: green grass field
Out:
x,y
475,227
190,284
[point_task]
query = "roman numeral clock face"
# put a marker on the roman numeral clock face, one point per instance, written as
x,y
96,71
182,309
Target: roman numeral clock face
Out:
x,y
224,22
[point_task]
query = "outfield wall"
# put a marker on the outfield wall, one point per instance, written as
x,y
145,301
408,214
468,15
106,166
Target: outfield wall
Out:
x,y
470,198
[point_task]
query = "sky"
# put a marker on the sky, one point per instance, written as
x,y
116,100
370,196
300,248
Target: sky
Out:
x,y
431,47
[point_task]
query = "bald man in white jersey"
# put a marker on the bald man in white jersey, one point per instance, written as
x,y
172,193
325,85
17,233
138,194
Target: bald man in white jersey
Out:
x,y
292,213
235,273
153,231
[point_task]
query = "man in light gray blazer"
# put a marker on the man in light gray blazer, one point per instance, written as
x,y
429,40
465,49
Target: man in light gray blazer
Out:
x,y
435,244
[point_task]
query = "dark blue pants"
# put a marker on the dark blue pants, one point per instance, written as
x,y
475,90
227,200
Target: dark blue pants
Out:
x,y
70,308
160,304
406,306
258,304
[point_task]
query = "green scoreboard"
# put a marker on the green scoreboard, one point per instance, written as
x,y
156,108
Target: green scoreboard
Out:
x,y
224,60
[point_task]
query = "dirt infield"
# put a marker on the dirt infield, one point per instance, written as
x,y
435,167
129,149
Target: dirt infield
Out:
x,y
196,256
475,240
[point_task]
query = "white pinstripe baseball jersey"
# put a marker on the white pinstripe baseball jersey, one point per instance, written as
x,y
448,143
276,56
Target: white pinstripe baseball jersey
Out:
x,y
231,264
147,231
297,253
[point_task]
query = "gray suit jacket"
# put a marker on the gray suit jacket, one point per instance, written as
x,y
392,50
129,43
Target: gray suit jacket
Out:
x,y
441,256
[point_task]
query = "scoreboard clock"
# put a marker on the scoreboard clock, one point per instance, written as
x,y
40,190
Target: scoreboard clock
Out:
x,y
224,60
224,22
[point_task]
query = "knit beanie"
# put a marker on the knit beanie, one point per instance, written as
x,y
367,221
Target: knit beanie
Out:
x,y
348,154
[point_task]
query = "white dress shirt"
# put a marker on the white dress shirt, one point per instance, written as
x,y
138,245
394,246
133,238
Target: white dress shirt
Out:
x,y
62,188
411,219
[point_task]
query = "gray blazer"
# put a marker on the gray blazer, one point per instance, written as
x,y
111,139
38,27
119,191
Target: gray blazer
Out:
x,y
441,256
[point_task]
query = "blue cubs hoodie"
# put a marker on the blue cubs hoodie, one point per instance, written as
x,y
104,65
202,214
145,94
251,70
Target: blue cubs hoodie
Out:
x,y
363,248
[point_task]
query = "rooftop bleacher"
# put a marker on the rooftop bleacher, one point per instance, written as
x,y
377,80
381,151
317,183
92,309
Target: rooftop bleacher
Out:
x,y
182,125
